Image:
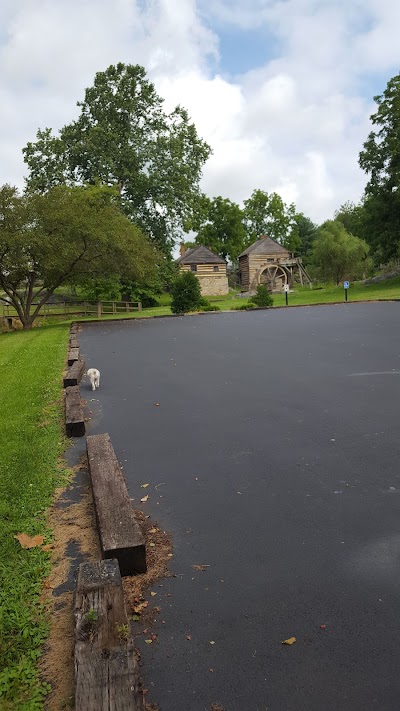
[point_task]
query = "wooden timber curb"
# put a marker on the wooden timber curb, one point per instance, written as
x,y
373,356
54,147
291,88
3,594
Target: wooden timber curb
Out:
x,y
106,669
119,532
74,419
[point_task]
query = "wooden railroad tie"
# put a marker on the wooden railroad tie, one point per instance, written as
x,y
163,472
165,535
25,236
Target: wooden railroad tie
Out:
x,y
106,669
119,532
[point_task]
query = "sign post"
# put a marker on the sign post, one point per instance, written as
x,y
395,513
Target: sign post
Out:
x,y
346,285
286,288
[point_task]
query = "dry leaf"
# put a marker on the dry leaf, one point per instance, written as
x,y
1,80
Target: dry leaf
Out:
x,y
322,627
212,642
28,542
200,567
144,486
289,641
156,404
189,637
153,530
148,641
47,547
145,498
139,607
152,545
170,555
153,594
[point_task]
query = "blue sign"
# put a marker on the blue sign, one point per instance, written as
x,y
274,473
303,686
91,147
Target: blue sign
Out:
x,y
346,284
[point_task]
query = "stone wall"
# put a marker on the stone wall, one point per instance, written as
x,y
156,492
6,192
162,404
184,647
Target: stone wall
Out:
x,y
216,285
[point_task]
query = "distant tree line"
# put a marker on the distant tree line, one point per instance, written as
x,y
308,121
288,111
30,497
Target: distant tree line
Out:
x,y
109,195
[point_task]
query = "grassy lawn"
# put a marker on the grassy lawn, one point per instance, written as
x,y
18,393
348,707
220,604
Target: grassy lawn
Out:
x,y
31,440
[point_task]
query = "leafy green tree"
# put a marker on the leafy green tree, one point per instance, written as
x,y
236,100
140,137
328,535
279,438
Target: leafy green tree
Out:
x,y
186,293
220,227
122,137
306,234
267,214
262,297
380,159
338,254
65,236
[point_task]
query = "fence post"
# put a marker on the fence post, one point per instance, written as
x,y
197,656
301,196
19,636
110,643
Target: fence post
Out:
x,y
139,305
114,307
127,306
99,309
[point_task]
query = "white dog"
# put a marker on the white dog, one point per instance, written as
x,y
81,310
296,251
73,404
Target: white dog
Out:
x,y
94,377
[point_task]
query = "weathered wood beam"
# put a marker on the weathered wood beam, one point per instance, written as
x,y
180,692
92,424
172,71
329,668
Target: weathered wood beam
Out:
x,y
106,670
74,420
73,355
74,374
119,532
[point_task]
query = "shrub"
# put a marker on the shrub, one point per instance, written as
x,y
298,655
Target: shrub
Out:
x,y
207,306
186,295
262,297
243,307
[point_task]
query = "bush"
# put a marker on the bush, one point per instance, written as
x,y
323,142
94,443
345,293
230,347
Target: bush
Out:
x,y
242,307
262,297
186,295
207,306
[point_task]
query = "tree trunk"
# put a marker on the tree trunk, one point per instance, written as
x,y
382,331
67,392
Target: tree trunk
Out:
x,y
27,323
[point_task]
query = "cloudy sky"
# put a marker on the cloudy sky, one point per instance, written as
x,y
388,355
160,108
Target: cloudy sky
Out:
x,y
281,89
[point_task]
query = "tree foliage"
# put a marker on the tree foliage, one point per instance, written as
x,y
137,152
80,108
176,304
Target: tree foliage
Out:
x,y
338,254
65,236
267,214
122,137
306,234
186,293
380,159
262,297
220,227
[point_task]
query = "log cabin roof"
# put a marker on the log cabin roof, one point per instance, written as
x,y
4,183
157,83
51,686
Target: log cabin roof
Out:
x,y
265,245
200,255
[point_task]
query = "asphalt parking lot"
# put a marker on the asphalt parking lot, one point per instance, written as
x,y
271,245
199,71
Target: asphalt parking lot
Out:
x,y
273,440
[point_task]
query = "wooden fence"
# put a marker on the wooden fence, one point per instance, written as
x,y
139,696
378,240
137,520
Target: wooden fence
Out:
x,y
78,308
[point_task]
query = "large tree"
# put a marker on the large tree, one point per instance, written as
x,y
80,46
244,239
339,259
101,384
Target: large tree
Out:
x,y
220,227
338,254
65,236
267,214
123,137
306,234
380,159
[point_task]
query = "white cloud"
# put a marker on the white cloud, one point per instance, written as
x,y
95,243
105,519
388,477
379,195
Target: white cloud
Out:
x,y
295,125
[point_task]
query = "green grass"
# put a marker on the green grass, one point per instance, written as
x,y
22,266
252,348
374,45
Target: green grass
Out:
x,y
31,440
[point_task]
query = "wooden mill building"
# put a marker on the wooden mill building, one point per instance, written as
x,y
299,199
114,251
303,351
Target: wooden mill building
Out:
x,y
267,262
209,268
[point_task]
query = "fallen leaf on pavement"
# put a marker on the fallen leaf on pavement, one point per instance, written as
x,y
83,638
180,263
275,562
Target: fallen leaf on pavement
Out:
x,y
156,404
140,606
289,641
322,627
153,530
200,567
189,637
212,642
148,641
170,555
144,486
28,542
152,545
153,594
135,617
144,499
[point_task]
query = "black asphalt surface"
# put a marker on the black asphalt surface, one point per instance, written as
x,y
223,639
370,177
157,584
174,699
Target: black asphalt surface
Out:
x,y
275,452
